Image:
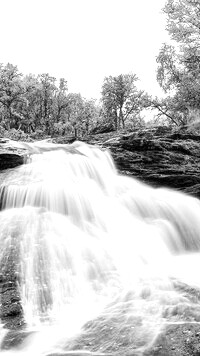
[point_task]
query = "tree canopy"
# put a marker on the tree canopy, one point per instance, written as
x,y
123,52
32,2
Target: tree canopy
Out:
x,y
121,99
37,105
178,70
41,105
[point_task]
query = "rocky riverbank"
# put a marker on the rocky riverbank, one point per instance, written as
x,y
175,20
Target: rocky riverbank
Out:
x,y
157,157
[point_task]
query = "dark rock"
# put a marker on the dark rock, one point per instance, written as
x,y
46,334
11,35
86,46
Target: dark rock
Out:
x,y
10,160
11,154
11,313
65,139
157,157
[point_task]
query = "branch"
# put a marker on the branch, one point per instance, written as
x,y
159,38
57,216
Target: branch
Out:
x,y
165,113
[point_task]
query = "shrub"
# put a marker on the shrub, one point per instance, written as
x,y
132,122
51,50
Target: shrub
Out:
x,y
16,135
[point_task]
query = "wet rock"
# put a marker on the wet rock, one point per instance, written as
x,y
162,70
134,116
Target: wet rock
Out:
x,y
11,313
11,154
10,160
14,339
157,157
176,340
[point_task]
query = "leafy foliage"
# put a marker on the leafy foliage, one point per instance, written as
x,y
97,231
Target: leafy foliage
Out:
x,y
178,70
38,107
168,73
121,99
170,110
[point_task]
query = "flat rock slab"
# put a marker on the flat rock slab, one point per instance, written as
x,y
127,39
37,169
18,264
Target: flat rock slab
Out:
x,y
12,154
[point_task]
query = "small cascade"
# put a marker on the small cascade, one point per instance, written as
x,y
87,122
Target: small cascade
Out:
x,y
93,255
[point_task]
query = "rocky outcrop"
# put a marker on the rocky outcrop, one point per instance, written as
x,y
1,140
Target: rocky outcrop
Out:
x,y
14,153
157,157
11,154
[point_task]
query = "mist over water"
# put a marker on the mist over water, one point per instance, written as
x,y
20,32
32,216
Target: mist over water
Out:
x,y
95,254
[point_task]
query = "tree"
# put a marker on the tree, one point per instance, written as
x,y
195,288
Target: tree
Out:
x,y
12,92
35,104
90,115
47,94
171,109
60,101
120,98
169,74
183,25
30,107
74,112
178,70
183,21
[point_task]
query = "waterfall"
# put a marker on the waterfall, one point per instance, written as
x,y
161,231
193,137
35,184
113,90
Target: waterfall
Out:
x,y
93,257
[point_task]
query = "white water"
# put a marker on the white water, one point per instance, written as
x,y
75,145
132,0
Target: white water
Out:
x,y
89,244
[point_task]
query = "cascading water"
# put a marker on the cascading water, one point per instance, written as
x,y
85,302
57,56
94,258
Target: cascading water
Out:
x,y
95,254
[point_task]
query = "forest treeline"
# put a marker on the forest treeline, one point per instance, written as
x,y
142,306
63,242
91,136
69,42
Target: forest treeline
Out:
x,y
42,105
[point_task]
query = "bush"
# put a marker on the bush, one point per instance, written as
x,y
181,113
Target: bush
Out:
x,y
16,135
38,135
2,131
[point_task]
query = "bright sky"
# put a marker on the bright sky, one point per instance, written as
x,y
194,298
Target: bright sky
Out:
x,y
83,40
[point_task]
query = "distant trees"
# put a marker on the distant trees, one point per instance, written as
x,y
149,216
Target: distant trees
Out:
x,y
36,105
40,105
12,91
121,99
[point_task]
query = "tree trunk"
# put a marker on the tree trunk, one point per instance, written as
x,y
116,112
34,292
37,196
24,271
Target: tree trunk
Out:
x,y
116,120
75,132
121,117
123,123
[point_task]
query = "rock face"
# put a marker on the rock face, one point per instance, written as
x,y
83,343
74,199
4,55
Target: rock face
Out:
x,y
157,157
14,153
11,154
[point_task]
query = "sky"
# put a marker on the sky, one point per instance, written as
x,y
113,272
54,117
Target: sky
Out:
x,y
84,41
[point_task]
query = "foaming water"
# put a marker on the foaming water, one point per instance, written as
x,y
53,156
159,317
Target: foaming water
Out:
x,y
95,254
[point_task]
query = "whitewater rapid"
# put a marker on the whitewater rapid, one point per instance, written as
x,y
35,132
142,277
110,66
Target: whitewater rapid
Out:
x,y
89,244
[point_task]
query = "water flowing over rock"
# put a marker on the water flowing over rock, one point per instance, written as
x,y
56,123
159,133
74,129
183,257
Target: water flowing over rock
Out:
x,y
93,262
157,157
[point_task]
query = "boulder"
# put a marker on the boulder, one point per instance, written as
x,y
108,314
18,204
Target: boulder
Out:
x,y
157,157
12,154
